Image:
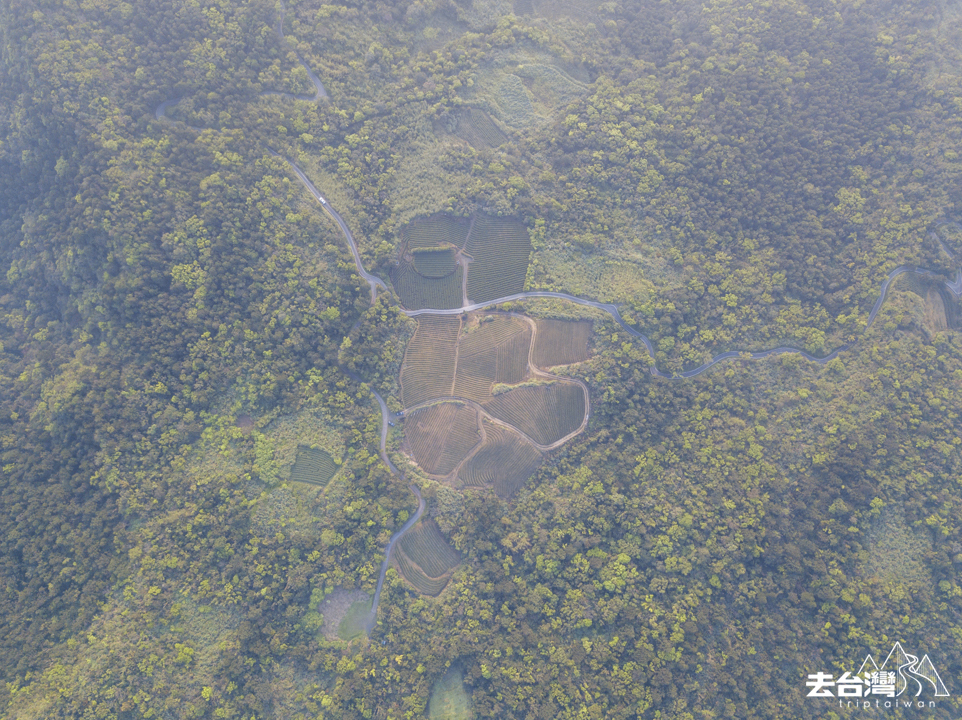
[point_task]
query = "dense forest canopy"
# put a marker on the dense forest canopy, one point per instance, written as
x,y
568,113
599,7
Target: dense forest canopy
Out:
x,y
186,346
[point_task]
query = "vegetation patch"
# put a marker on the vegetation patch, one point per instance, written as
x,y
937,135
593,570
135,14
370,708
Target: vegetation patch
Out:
x,y
545,413
429,363
435,231
503,463
500,248
449,700
560,342
435,262
477,129
441,436
897,554
344,611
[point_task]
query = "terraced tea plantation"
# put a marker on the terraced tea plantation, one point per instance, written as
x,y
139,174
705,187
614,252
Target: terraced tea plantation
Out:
x,y
441,436
511,411
503,462
493,251
425,558
494,352
418,291
429,363
501,249
545,413
436,231
313,466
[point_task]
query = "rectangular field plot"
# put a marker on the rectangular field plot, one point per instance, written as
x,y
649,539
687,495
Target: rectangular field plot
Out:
x,y
503,463
313,466
561,342
545,413
428,368
434,262
441,436
425,558
436,230
500,248
417,291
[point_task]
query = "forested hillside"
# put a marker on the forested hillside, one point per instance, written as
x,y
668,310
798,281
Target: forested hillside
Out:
x,y
193,508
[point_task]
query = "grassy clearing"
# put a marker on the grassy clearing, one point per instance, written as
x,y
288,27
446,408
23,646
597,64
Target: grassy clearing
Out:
x,y
545,413
417,291
500,248
449,701
560,342
428,368
504,462
442,435
335,609
354,623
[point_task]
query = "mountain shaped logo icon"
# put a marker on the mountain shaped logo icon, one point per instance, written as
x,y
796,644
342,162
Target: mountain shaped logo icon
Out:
x,y
912,675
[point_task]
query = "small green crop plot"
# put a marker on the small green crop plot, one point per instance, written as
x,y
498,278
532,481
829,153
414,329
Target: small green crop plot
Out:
x,y
449,700
313,466
500,248
434,262
436,231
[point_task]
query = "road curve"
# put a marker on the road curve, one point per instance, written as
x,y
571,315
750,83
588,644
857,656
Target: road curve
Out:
x,y
373,280
372,617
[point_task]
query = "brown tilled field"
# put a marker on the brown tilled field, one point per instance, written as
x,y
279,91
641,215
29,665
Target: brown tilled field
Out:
x,y
441,436
503,463
561,342
545,413
496,351
428,368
